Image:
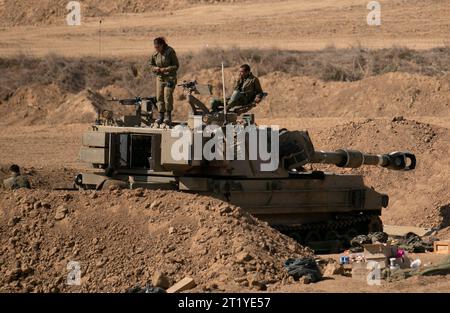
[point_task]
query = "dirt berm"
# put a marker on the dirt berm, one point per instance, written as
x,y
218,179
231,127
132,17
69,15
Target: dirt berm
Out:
x,y
417,197
121,238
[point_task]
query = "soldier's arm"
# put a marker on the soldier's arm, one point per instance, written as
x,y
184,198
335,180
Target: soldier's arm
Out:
x,y
8,183
258,89
153,66
174,63
236,84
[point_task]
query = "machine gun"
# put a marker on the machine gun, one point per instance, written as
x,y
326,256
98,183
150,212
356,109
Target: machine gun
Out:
x,y
143,111
192,87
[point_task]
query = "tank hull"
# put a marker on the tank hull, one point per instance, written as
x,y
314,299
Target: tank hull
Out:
x,y
309,206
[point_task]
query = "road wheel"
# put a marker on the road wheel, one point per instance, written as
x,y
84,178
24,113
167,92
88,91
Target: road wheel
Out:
x,y
376,225
296,236
331,235
313,236
350,234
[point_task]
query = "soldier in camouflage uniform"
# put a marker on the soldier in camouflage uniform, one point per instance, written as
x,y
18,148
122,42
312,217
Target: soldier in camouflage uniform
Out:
x,y
164,64
247,90
16,181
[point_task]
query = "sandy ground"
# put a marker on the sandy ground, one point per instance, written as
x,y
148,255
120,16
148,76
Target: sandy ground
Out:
x,y
291,24
42,146
420,197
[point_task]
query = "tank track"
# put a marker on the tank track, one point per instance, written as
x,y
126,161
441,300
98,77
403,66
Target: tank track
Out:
x,y
343,228
345,221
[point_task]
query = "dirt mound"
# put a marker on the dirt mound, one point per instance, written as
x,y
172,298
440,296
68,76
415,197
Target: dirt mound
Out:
x,y
31,104
48,104
121,238
418,197
385,95
4,172
37,12
444,234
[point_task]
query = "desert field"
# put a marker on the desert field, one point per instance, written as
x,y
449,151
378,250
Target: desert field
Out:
x,y
377,89
192,26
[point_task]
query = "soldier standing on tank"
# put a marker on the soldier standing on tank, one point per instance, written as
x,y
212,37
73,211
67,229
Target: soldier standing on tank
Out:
x,y
17,180
164,64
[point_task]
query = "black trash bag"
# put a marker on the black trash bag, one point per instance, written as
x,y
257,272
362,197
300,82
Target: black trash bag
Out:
x,y
413,243
360,240
147,289
379,236
356,249
306,267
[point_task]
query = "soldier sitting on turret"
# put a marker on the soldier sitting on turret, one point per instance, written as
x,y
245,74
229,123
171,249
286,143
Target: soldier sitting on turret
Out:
x,y
16,181
247,91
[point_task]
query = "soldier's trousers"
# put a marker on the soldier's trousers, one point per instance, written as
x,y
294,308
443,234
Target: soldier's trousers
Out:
x,y
165,87
236,99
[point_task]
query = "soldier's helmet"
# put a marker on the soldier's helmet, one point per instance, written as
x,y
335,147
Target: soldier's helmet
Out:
x,y
14,169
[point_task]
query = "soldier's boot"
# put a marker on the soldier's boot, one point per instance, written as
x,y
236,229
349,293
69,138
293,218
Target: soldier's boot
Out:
x,y
160,119
168,121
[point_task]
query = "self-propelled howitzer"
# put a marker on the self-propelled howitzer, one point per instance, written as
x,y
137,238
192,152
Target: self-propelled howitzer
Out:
x,y
311,206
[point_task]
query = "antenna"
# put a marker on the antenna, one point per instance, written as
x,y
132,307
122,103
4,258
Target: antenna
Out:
x,y
100,38
224,95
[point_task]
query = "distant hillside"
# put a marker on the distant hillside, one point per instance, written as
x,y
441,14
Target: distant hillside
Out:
x,y
39,12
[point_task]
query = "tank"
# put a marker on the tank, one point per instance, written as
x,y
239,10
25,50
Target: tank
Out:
x,y
311,206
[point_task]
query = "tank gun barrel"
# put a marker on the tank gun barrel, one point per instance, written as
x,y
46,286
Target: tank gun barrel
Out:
x,y
398,161
297,150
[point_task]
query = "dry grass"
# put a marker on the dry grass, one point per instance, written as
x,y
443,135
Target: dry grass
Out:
x,y
330,64
71,75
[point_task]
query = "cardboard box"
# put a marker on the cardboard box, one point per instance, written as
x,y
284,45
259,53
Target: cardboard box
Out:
x,y
379,253
442,247
378,250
